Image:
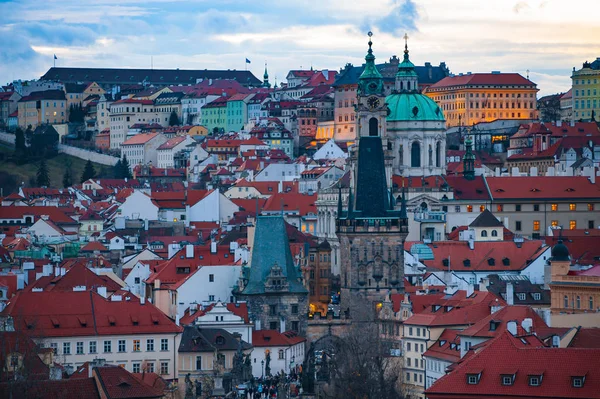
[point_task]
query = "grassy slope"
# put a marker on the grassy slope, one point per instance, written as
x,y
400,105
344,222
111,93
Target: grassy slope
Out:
x,y
56,168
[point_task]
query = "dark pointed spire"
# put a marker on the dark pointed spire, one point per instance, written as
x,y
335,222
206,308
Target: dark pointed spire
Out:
x,y
339,211
403,211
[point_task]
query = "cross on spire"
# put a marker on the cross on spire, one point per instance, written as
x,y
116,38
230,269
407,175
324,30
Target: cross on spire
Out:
x,y
405,37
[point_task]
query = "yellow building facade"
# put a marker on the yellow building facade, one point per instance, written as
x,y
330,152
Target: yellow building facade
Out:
x,y
42,107
468,99
586,90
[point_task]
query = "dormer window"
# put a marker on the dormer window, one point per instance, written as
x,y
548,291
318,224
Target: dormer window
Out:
x,y
508,379
535,380
521,296
473,379
578,382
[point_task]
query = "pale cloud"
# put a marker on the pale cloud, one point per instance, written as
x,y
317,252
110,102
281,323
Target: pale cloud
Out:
x,y
548,37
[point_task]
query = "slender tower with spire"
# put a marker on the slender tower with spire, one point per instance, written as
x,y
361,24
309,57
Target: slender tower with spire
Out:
x,y
371,231
266,78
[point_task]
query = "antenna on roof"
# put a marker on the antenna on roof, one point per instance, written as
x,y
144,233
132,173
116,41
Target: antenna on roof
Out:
x,y
151,62
528,74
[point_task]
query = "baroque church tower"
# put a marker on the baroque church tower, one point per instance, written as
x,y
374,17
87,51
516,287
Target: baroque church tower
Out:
x,y
371,232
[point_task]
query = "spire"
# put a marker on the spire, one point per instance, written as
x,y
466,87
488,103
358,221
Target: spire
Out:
x,y
266,77
469,160
371,80
406,78
339,210
403,212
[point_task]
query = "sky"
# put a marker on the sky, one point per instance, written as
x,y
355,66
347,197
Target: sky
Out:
x,y
546,37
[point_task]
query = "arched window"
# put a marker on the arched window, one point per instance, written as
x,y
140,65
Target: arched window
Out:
x,y
280,353
423,205
401,85
484,233
415,155
566,302
494,233
578,302
438,154
430,151
401,154
373,127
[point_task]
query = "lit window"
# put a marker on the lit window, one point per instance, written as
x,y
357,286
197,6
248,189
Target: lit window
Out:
x,y
572,207
481,208
590,207
554,223
554,207
469,208
572,224
136,345
500,208
536,225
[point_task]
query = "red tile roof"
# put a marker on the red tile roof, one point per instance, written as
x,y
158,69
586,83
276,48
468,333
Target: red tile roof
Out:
x,y
76,276
507,355
459,251
52,389
172,143
55,214
119,383
266,338
500,319
474,79
456,310
81,313
290,202
133,101
238,309
586,338
447,347
94,246
542,187
140,138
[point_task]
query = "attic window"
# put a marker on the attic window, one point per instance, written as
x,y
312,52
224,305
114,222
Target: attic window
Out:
x,y
82,321
111,320
473,379
535,190
578,382
499,190
55,322
220,340
570,190
506,261
467,262
154,317
183,270
492,262
134,320
445,262
535,380
508,379
494,325
442,342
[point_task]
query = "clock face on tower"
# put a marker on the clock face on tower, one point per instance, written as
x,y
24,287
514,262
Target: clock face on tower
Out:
x,y
373,102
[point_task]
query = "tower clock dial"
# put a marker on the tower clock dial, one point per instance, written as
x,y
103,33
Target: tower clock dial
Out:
x,y
373,102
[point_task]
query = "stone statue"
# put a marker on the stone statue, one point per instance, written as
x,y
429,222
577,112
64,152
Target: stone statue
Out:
x,y
189,388
268,364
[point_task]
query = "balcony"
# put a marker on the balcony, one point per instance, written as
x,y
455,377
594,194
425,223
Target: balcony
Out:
x,y
430,216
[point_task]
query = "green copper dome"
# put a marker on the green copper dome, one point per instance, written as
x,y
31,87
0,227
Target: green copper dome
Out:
x,y
413,107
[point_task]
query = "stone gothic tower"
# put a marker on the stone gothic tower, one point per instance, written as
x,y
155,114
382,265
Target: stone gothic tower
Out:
x,y
371,232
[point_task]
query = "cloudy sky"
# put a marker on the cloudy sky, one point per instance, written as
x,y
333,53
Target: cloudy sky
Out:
x,y
547,37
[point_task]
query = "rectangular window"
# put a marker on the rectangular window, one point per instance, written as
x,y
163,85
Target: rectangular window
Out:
x,y
136,345
577,382
518,208
572,224
518,225
537,296
294,309
521,296
272,310
150,367
469,208
457,208
79,348
198,362
211,278
507,380
136,368
408,347
410,331
499,208
572,207
150,345
471,379
590,207
554,223
107,346
164,344
93,347
534,381
536,207
211,298
536,225
66,348
122,346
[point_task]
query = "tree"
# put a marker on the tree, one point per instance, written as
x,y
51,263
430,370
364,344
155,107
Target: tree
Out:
x,y
118,170
68,175
20,141
125,168
550,108
88,171
42,179
360,365
173,119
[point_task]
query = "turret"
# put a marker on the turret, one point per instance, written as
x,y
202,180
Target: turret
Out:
x,y
407,79
469,160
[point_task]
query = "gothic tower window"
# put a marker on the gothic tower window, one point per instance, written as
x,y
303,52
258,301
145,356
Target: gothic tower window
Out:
x,y
438,154
415,155
430,155
401,154
373,127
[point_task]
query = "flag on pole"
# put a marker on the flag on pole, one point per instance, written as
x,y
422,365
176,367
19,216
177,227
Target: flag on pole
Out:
x,y
247,61
55,57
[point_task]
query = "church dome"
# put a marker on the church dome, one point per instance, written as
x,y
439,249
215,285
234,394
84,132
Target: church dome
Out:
x,y
560,252
413,107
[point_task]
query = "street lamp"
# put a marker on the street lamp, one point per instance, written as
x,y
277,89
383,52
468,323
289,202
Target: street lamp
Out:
x,y
262,368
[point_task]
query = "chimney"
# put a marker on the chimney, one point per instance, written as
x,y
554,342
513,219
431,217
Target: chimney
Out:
x,y
157,284
116,298
527,324
282,325
172,249
213,247
511,326
471,243
257,325
189,251
483,284
470,290
558,123
57,271
102,291
142,299
146,224
510,294
47,270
